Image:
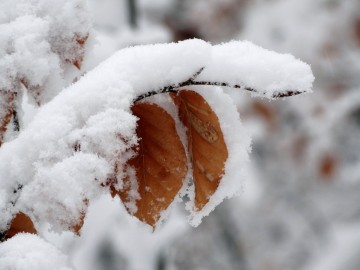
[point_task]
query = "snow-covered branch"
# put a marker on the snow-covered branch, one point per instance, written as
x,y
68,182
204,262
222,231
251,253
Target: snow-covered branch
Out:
x,y
96,113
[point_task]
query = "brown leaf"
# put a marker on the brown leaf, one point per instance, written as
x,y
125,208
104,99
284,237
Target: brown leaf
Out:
x,y
76,228
6,111
21,223
160,164
80,54
299,145
206,144
357,30
34,90
327,168
267,113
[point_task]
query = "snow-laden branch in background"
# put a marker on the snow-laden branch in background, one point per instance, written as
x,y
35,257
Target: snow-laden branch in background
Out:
x,y
56,178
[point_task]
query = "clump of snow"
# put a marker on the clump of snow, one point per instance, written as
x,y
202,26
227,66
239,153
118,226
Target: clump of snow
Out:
x,y
66,154
151,67
36,39
79,176
267,72
30,252
25,52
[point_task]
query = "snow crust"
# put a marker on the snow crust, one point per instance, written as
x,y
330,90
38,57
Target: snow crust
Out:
x,y
30,252
65,155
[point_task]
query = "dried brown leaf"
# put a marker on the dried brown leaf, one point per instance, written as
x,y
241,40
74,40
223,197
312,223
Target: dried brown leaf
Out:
x,y
20,223
160,164
77,228
34,90
6,111
327,166
357,30
206,144
80,54
267,113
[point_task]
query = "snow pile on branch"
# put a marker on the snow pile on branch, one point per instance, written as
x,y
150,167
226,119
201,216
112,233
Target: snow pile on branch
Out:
x,y
36,39
30,252
252,67
67,153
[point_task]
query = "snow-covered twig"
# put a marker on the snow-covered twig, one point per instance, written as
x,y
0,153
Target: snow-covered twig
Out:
x,y
192,81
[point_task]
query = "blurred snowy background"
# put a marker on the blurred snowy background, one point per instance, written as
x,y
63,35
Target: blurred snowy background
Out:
x,y
300,208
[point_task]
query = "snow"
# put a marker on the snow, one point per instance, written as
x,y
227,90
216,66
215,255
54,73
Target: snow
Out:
x,y
267,72
24,52
30,252
36,39
107,219
93,116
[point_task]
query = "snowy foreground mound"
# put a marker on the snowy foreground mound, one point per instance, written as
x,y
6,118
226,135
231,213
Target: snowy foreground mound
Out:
x,y
26,252
43,174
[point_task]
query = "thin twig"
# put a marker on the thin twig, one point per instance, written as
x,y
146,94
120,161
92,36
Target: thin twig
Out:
x,y
192,81
170,88
15,191
16,121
